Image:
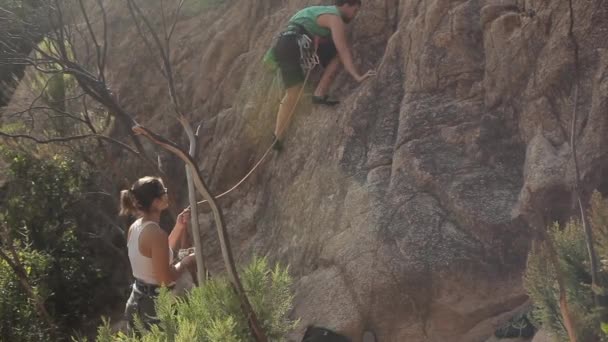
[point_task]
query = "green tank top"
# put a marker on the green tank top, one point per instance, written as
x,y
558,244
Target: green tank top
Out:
x,y
308,18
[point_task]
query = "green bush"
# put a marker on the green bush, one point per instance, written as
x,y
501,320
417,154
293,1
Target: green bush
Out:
x,y
19,320
212,312
541,283
40,210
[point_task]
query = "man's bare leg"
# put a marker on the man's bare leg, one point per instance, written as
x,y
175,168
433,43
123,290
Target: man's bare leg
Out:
x,y
286,109
328,77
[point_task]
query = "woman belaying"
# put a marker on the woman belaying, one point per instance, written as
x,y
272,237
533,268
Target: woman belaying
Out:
x,y
151,250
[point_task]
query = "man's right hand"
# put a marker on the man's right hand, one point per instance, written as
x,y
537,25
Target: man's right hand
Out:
x,y
368,74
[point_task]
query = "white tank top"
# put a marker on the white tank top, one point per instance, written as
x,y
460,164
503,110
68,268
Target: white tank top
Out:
x,y
142,265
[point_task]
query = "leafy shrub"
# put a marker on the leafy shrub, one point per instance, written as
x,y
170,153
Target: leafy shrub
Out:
x,y
541,283
40,211
19,320
212,312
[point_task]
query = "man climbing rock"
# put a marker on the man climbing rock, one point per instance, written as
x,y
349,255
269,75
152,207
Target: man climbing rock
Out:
x,y
314,35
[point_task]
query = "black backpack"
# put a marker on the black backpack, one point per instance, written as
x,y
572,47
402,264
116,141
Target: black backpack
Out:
x,y
317,334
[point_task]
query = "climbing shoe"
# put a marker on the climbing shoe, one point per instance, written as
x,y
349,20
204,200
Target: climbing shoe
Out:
x,y
324,100
318,334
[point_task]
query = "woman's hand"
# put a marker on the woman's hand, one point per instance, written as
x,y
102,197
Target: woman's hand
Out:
x,y
188,260
184,217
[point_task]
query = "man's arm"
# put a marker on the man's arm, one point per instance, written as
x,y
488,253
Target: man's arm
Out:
x,y
338,33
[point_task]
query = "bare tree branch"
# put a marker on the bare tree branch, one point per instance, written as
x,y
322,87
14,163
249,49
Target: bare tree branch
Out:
x,y
87,117
98,50
104,53
64,113
59,28
175,18
164,56
164,20
68,139
202,188
143,37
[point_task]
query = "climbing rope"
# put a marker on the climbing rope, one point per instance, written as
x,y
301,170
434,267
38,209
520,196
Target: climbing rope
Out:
x,y
312,60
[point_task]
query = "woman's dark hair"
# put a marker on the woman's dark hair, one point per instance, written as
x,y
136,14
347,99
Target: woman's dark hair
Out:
x,y
141,195
348,2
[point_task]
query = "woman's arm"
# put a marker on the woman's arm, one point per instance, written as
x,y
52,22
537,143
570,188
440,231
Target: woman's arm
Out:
x,y
179,230
166,273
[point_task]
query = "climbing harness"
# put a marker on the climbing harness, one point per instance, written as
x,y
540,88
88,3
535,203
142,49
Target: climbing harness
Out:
x,y
308,56
312,63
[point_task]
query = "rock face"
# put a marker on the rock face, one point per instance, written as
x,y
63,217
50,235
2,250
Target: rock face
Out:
x,y
408,209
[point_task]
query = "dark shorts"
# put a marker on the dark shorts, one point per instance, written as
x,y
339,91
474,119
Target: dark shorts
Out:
x,y
287,54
